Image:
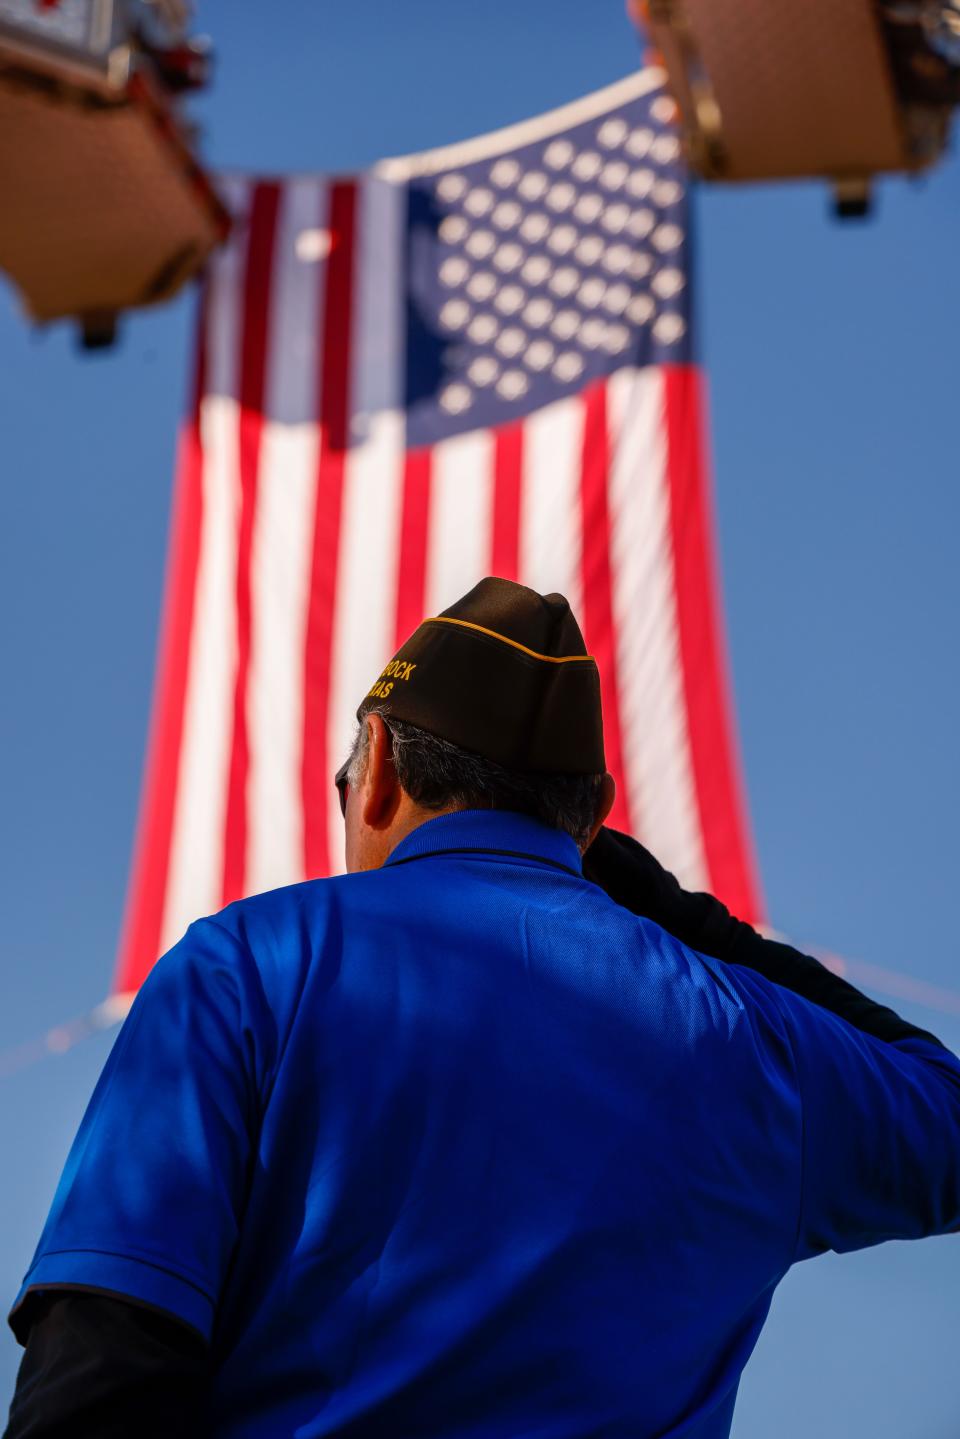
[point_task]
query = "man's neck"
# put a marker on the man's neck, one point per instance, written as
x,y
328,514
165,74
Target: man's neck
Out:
x,y
411,816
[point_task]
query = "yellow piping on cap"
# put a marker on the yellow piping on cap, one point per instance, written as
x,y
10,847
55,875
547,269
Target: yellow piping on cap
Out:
x,y
468,625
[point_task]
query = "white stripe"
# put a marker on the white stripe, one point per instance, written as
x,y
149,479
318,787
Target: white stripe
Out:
x,y
550,529
365,607
281,546
461,517
195,876
496,142
653,719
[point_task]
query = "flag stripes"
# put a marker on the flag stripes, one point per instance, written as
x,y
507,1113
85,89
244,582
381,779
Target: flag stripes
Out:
x,y
258,279
308,541
596,585
731,866
143,920
280,553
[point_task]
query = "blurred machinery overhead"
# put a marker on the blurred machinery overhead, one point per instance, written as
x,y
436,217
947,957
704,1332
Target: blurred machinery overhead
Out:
x,y
842,89
105,206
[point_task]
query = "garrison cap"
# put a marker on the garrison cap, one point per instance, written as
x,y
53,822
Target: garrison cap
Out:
x,y
503,673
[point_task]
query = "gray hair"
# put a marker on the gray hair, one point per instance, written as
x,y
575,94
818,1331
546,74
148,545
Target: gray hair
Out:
x,y
439,775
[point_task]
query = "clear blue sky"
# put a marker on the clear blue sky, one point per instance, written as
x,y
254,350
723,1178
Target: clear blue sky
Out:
x,y
832,354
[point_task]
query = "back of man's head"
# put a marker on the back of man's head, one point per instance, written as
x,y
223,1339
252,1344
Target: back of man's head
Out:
x,y
495,704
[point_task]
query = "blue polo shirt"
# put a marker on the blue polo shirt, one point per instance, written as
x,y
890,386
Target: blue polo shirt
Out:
x,y
460,1148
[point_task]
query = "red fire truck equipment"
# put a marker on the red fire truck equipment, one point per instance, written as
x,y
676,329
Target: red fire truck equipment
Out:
x,y
105,206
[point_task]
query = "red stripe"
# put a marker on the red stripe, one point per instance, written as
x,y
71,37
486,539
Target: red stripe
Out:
x,y
253,378
507,480
412,558
598,623
333,408
716,767
141,935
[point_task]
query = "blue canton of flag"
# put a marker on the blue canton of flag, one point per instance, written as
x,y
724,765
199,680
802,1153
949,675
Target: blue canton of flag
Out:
x,y
534,270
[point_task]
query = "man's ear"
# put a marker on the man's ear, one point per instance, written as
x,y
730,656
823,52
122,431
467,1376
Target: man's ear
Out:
x,y
608,793
379,788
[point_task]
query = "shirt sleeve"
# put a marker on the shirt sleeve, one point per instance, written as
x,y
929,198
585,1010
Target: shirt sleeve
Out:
x,y
150,1200
632,877
881,1133
103,1366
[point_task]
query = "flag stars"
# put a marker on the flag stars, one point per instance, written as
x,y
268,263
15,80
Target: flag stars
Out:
x,y
589,250
481,285
455,314
562,239
512,384
544,265
667,237
565,324
616,298
535,227
533,185
668,329
482,329
665,149
453,229
591,292
612,133
663,109
480,244
667,283
511,341
506,215
640,223
456,398
558,154
538,312
588,208
638,143
508,258
510,299
615,218
564,281
666,192
613,175
615,339
617,259
537,269
454,271
640,310
640,183
568,366
478,203
504,173
587,165
592,333
539,354
483,370
561,197
451,187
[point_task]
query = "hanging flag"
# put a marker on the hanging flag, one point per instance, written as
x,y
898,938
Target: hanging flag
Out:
x,y
473,361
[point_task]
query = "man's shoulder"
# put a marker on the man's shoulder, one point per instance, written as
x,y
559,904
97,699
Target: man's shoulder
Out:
x,y
291,910
281,928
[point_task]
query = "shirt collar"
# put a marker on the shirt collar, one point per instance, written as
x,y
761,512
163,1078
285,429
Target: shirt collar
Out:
x,y
490,830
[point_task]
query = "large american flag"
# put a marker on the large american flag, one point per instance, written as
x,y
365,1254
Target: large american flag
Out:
x,y
472,361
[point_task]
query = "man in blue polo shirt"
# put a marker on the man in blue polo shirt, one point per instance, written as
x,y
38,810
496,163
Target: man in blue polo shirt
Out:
x,y
456,1144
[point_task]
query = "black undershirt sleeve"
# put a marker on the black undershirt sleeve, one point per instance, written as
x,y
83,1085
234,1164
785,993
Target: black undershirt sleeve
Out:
x,y
101,1367
633,878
